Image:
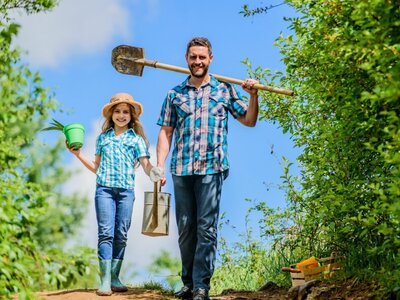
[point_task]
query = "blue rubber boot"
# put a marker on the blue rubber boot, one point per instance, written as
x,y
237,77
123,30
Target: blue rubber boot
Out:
x,y
105,278
116,284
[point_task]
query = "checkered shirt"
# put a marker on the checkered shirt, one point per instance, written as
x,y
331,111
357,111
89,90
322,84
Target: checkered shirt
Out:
x,y
200,121
118,156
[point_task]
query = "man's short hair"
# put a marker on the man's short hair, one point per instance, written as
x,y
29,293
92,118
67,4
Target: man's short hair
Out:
x,y
199,41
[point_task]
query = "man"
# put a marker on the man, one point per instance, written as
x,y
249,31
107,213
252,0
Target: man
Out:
x,y
197,112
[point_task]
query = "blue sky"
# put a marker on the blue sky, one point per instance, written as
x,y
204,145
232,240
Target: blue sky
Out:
x,y
72,45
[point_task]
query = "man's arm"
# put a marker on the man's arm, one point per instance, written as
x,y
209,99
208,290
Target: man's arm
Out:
x,y
163,146
250,118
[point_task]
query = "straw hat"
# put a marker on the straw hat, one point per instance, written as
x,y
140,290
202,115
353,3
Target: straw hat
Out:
x,y
122,98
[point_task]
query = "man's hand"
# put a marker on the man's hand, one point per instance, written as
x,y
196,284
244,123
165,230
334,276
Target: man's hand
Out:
x,y
162,177
248,84
163,180
250,118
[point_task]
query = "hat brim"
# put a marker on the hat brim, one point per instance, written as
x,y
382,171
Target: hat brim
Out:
x,y
136,105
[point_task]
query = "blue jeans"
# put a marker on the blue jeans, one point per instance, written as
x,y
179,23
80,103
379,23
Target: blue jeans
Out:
x,y
114,208
197,199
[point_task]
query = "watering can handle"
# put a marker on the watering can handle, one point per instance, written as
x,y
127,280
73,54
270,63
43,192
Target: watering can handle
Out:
x,y
154,221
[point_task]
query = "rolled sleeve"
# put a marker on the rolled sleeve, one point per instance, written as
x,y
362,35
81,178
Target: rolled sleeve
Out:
x,y
168,115
141,149
98,145
236,106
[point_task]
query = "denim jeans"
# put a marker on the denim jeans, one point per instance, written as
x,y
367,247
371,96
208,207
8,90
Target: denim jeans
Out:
x,y
114,213
197,199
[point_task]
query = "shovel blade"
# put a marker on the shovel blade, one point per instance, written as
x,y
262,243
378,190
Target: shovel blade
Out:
x,y
124,58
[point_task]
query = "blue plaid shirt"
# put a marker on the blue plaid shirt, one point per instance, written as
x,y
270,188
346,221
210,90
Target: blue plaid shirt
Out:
x,y
118,157
200,119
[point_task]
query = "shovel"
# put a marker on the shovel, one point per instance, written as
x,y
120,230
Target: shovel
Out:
x,y
130,60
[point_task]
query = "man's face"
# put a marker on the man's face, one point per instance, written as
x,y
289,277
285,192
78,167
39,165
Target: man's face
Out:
x,y
198,60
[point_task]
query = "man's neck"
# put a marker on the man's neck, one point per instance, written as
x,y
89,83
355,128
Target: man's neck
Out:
x,y
199,81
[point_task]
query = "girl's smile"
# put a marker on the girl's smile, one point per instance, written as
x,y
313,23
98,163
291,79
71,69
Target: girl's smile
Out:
x,y
121,117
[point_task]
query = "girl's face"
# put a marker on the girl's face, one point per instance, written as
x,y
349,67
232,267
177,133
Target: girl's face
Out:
x,y
121,116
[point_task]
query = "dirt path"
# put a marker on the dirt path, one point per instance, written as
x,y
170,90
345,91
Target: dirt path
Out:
x,y
142,294
347,289
91,295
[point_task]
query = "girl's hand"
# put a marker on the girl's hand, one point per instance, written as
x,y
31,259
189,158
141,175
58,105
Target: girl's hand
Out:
x,y
157,174
74,151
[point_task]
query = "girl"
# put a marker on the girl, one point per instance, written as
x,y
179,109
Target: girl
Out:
x,y
120,148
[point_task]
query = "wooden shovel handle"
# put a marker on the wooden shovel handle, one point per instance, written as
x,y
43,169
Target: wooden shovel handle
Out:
x,y
156,64
257,86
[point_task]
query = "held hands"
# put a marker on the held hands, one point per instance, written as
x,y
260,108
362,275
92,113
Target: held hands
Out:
x,y
248,84
157,174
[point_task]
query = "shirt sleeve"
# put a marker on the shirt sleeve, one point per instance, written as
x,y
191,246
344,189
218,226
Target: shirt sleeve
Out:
x,y
236,106
98,145
168,115
141,149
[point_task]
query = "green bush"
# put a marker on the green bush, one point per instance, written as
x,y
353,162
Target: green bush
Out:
x,y
32,227
249,263
343,64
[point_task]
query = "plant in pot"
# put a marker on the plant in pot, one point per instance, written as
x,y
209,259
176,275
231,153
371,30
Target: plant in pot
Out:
x,y
74,133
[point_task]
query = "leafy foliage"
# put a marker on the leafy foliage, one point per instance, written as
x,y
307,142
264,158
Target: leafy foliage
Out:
x,y
167,267
28,6
35,219
343,64
247,264
247,11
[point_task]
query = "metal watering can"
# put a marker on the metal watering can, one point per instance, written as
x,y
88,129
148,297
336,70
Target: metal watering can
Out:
x,y
156,211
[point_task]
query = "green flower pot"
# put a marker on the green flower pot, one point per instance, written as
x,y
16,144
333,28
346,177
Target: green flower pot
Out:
x,y
75,134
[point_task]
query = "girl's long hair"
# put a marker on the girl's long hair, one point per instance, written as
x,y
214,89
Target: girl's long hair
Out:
x,y
134,124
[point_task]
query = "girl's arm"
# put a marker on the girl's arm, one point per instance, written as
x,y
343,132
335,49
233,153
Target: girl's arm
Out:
x,y
91,165
146,164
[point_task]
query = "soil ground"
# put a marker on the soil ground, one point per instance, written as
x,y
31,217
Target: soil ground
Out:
x,y
346,290
141,294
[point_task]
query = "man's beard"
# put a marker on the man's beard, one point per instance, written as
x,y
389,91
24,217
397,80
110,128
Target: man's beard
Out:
x,y
198,75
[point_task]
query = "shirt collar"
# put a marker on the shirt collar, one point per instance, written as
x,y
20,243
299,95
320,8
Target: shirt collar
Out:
x,y
213,82
129,131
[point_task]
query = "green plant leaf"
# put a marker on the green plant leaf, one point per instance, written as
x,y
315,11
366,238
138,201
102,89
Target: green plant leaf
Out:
x,y
55,125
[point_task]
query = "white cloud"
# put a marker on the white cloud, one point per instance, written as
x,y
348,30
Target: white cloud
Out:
x,y
141,249
74,27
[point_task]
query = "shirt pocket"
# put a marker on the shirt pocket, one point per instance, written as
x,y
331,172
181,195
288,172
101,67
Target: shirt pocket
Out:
x,y
217,108
127,148
184,107
106,146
